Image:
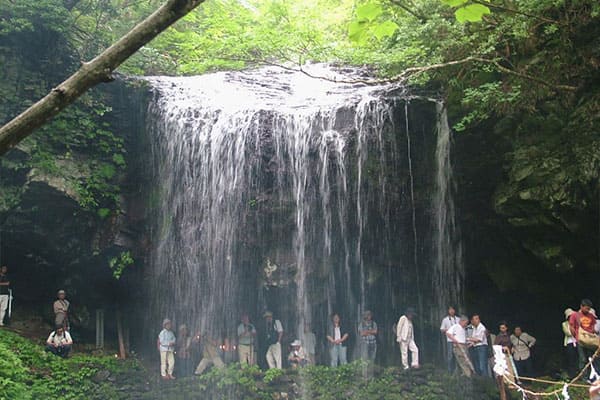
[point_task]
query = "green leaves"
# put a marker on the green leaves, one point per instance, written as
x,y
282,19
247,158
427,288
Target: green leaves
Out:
x,y
468,12
471,13
371,22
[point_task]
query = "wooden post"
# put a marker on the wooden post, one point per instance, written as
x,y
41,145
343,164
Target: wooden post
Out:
x,y
99,329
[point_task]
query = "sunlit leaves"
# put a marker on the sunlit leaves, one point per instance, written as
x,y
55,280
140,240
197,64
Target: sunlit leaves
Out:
x,y
370,22
468,12
471,13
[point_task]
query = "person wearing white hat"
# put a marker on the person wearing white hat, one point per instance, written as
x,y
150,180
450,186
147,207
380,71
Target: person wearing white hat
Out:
x,y
570,344
166,346
297,357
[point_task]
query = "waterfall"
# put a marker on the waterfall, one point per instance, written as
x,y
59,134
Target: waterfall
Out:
x,y
274,190
449,270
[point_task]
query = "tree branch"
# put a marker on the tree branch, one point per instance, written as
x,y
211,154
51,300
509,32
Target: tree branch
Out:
x,y
90,74
413,71
514,11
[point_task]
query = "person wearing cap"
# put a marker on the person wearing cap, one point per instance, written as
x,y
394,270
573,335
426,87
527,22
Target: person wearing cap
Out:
x,y
583,319
458,335
4,292
367,331
337,337
273,335
447,322
59,342
210,354
405,336
478,340
570,345
522,344
297,357
246,333
61,310
166,346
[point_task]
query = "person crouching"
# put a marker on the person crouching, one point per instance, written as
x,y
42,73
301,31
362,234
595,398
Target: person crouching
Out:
x,y
59,342
297,357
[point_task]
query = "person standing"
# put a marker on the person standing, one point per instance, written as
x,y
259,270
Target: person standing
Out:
x,y
448,321
183,353
166,346
4,292
273,336
59,342
246,336
584,320
480,346
522,343
309,340
570,344
61,310
367,331
337,337
458,335
405,336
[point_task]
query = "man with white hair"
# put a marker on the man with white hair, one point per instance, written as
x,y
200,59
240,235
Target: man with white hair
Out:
x,y
458,335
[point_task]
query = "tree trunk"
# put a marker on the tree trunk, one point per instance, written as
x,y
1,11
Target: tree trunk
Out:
x,y
122,350
91,73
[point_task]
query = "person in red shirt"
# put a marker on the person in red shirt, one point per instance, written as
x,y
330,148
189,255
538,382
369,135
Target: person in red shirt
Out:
x,y
583,319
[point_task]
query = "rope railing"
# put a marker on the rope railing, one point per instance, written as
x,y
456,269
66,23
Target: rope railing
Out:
x,y
501,369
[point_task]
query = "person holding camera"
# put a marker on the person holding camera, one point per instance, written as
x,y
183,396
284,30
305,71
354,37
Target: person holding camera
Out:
x,y
246,336
59,342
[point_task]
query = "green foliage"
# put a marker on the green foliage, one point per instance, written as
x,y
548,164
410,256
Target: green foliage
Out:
x,y
466,12
27,372
120,263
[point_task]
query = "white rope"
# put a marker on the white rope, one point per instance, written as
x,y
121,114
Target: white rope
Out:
x,y
593,374
565,392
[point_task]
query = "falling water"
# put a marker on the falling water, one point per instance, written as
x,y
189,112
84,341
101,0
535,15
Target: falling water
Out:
x,y
449,268
274,190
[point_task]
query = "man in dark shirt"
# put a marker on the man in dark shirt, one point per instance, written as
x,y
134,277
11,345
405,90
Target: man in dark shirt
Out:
x,y
4,292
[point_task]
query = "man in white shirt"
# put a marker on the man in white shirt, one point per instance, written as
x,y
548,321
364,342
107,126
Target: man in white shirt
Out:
x,y
405,336
448,321
480,346
59,342
458,336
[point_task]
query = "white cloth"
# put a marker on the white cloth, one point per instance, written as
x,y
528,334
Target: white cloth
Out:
x,y
3,307
447,323
459,333
404,330
166,340
479,333
337,333
274,356
59,340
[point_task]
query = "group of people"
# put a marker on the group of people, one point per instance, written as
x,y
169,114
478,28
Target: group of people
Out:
x,y
59,341
468,342
468,345
177,351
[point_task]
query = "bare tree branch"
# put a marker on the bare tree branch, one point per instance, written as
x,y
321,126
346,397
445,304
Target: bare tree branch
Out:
x,y
413,71
91,73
